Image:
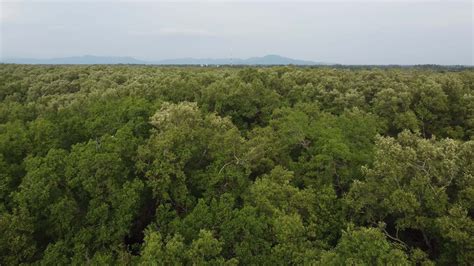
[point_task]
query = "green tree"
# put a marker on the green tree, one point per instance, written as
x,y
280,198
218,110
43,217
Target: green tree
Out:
x,y
191,155
413,184
364,246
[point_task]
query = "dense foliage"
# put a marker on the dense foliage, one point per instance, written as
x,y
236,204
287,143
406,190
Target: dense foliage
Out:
x,y
283,165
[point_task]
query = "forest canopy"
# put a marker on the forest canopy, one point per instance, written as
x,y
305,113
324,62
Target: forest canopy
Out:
x,y
145,165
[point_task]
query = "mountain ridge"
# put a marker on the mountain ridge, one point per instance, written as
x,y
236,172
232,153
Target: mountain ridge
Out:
x,y
271,59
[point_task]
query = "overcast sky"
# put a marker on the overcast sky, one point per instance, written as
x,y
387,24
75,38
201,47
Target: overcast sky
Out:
x,y
347,32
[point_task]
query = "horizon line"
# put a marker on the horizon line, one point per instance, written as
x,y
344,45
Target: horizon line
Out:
x,y
310,62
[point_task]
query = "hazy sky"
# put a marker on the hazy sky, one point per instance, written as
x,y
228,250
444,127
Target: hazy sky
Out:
x,y
347,32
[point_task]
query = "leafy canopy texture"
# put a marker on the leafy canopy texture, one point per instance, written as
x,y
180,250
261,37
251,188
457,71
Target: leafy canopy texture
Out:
x,y
145,165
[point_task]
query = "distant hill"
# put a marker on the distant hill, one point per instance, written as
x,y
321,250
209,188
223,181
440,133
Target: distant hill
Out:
x,y
86,59
92,60
265,60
